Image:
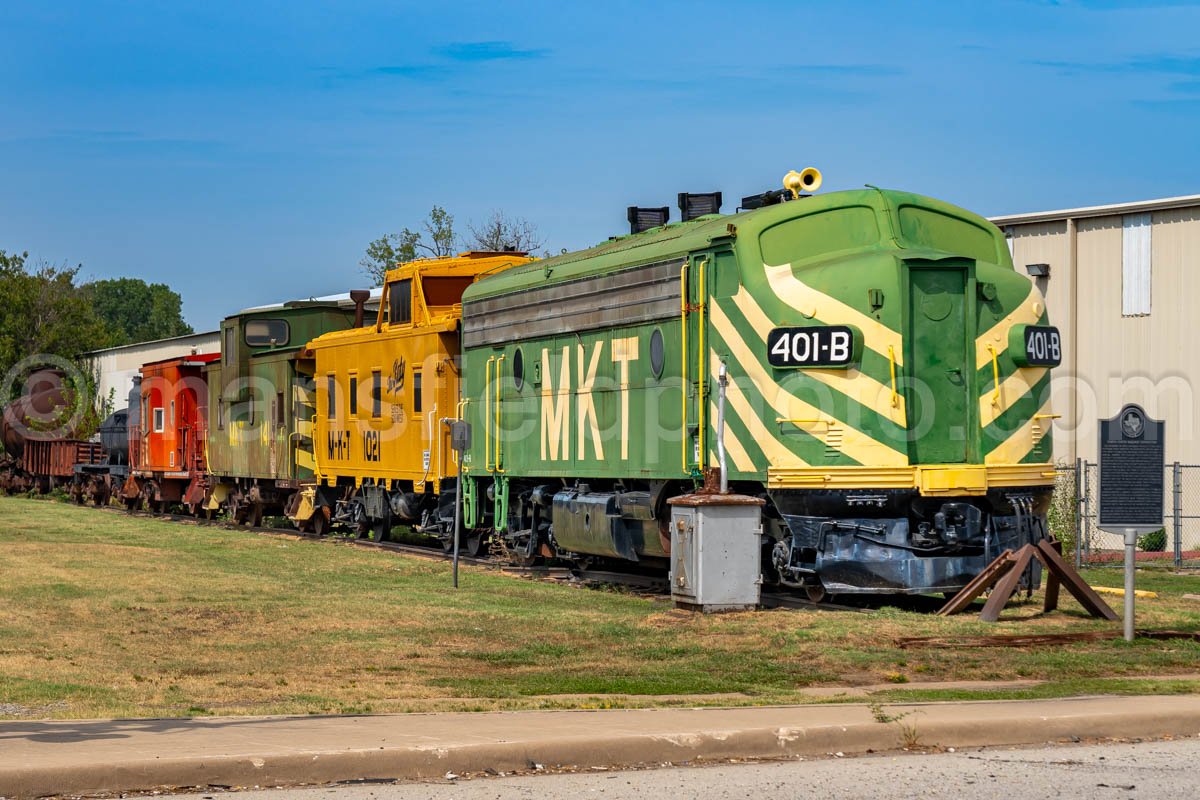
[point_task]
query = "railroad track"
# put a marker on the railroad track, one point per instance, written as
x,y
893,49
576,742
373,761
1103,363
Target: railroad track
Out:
x,y
646,584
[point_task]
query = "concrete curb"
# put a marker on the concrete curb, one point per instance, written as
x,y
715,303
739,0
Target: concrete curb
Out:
x,y
52,758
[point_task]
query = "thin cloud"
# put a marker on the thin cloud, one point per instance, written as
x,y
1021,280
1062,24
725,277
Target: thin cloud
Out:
x,y
488,51
1163,63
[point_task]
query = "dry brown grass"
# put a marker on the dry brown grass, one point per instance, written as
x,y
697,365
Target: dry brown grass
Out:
x,y
109,615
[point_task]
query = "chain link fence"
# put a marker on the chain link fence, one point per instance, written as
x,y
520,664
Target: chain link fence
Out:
x,y
1076,502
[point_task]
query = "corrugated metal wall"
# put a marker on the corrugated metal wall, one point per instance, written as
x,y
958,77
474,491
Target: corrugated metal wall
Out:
x,y
1129,321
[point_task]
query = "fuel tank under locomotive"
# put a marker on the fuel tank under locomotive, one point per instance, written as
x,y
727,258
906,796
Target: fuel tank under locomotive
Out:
x,y
897,542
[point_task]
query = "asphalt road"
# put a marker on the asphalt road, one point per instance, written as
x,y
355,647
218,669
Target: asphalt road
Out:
x,y
1089,772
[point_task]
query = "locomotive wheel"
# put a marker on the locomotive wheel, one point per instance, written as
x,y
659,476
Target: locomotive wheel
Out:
x,y
475,543
254,515
816,593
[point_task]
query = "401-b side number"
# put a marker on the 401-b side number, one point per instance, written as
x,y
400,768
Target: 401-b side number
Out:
x,y
815,346
1036,345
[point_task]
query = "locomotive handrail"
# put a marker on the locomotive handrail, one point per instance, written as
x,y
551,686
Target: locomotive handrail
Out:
x,y
683,313
892,365
487,418
496,400
995,376
799,422
702,370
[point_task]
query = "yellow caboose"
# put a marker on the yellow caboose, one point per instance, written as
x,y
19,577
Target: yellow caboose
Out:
x,y
382,398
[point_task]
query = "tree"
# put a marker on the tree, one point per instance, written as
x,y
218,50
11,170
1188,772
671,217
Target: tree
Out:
x,y
135,311
42,311
46,320
436,240
501,232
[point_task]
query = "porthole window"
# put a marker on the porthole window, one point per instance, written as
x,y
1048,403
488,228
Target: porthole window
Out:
x,y
658,356
518,369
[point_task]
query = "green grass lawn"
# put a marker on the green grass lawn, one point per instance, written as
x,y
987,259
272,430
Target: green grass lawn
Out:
x,y
102,614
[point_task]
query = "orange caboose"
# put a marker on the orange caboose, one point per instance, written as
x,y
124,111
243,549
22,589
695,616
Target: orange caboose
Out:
x,y
166,455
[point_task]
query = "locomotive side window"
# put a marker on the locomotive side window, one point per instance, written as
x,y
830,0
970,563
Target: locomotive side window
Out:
x,y
331,396
658,358
400,302
518,369
267,332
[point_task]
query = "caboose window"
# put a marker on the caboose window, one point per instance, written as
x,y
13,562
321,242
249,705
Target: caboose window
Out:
x,y
416,391
400,302
267,332
353,395
229,340
377,394
158,420
331,397
445,291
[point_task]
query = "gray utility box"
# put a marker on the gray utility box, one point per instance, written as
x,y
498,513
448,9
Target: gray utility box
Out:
x,y
716,544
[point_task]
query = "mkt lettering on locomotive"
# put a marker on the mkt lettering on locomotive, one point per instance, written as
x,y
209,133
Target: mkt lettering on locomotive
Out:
x,y
166,446
383,396
876,399
260,403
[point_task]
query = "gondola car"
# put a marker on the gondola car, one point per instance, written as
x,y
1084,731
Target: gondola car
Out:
x,y
882,400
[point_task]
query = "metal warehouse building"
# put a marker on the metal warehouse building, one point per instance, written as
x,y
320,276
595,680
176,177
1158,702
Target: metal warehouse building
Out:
x,y
116,367
1122,283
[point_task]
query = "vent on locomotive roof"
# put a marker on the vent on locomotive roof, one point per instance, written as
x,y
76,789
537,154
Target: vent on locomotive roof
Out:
x,y
643,219
697,205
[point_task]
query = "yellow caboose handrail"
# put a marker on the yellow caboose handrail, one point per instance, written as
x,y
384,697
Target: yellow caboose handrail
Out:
x,y
683,313
499,437
487,419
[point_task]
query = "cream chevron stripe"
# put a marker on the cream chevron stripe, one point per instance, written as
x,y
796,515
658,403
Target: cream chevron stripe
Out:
x,y
1028,313
776,454
733,446
1018,445
853,383
1012,389
812,303
855,444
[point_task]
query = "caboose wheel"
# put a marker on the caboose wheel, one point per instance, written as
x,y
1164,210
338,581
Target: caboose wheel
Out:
x,y
319,525
254,515
381,531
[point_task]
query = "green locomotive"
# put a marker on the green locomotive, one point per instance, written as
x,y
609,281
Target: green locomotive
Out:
x,y
887,394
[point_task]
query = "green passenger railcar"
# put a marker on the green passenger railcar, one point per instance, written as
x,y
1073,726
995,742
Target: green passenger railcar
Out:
x,y
883,394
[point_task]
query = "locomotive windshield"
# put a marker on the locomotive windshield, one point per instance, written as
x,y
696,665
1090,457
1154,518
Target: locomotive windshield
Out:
x,y
832,231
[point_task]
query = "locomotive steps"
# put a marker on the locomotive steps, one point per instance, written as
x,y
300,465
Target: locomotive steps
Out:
x,y
109,756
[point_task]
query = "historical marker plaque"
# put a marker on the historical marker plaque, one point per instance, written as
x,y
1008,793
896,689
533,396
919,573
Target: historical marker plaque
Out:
x,y
1131,471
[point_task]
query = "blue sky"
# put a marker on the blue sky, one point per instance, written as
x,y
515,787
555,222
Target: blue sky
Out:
x,y
245,152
